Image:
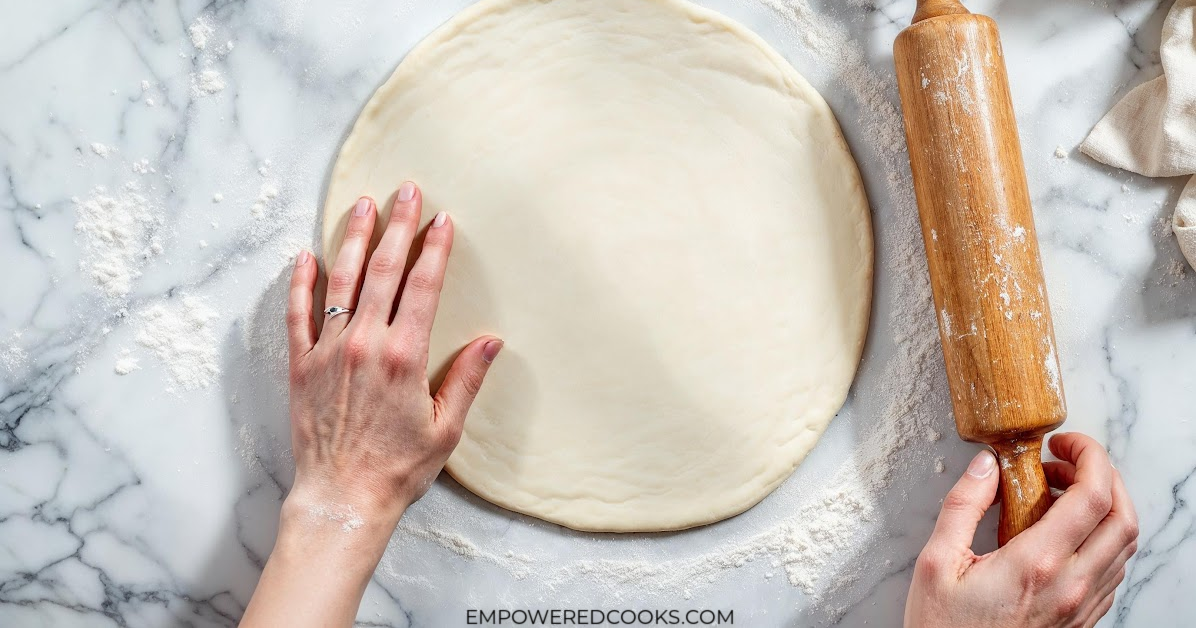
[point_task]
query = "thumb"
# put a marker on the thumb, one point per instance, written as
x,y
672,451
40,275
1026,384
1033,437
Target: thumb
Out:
x,y
966,504
465,378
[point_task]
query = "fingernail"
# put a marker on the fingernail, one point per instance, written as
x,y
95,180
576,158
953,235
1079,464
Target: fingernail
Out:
x,y
302,258
491,350
362,206
407,191
983,465
439,219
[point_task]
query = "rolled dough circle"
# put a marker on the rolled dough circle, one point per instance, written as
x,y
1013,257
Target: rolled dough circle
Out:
x,y
661,218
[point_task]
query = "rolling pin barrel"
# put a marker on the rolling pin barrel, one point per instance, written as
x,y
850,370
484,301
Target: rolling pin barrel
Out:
x,y
984,266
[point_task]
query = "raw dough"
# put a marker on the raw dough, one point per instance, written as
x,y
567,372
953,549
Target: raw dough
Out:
x,y
661,218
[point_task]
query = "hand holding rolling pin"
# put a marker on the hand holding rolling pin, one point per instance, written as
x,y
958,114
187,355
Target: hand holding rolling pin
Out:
x,y
1061,560
1062,571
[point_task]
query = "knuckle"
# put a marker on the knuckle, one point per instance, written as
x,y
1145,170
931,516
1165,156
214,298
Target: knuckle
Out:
x,y
296,317
472,382
400,359
1071,599
1097,502
1130,532
403,212
384,264
342,280
1042,572
425,282
1129,551
356,348
956,501
449,436
436,239
359,228
928,565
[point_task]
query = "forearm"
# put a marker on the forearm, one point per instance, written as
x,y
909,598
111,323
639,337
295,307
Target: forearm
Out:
x,y
322,562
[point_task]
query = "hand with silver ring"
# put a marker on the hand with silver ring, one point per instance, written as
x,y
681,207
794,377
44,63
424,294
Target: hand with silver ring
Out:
x,y
334,310
368,434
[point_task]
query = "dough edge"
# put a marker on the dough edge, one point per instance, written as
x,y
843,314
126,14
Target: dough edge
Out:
x,y
334,220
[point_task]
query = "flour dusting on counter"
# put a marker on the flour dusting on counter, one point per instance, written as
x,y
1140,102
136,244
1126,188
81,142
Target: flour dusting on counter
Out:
x,y
207,82
181,335
199,32
13,357
119,232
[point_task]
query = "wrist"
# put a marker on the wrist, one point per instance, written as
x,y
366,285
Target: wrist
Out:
x,y
326,550
347,518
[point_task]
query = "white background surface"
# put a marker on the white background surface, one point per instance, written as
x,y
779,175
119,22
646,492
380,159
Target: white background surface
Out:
x,y
123,504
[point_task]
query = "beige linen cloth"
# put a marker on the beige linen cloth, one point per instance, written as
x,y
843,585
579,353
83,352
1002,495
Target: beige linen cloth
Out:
x,y
1152,130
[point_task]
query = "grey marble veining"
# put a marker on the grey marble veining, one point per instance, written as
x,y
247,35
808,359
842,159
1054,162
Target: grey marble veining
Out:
x,y
124,504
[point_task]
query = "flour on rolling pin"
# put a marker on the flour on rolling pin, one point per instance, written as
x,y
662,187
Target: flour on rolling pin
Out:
x,y
984,262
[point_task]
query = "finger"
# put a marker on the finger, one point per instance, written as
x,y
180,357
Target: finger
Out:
x,y
347,269
1101,610
464,379
1086,502
1059,474
965,505
386,268
302,329
1116,572
423,288
1114,579
1115,534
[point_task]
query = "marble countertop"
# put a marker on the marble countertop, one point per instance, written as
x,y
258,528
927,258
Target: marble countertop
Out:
x,y
143,436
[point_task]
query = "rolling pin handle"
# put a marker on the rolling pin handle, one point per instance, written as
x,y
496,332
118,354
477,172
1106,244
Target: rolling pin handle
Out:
x,y
935,8
1024,491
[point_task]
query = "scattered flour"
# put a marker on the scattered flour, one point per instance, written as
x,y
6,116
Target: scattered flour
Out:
x,y
126,363
181,335
266,194
102,150
1060,152
344,514
199,32
207,82
13,357
119,234
454,542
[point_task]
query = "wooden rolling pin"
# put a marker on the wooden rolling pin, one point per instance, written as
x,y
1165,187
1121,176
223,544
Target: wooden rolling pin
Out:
x,y
988,289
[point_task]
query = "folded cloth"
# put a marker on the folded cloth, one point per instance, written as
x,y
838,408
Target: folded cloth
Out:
x,y
1152,130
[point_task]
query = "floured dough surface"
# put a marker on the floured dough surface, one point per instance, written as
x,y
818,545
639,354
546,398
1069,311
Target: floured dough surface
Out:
x,y
660,217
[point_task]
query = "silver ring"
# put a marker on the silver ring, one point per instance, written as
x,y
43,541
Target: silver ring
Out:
x,y
334,310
